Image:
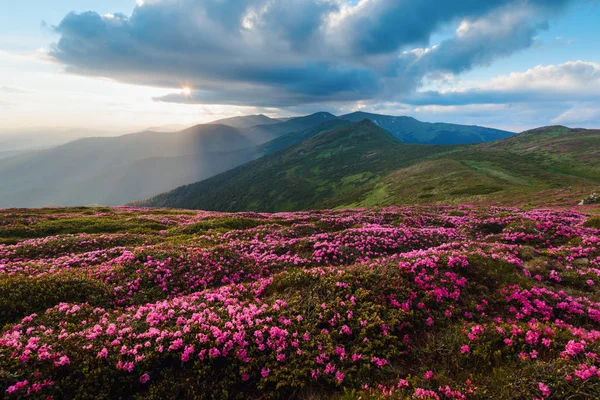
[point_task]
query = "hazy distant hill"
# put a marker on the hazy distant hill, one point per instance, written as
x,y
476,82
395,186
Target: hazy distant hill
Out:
x,y
7,154
118,170
410,130
62,175
167,128
247,121
362,165
38,138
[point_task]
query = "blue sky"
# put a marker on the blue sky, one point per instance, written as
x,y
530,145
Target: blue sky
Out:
x,y
122,64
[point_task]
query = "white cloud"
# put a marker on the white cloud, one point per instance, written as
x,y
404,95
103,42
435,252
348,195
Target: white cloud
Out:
x,y
579,115
571,81
573,77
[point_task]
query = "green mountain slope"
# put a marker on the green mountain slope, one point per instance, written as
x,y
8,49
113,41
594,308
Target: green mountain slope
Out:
x,y
332,168
363,165
293,138
551,165
410,130
575,151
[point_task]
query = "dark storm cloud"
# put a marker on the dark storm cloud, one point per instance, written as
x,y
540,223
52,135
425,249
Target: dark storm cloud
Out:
x,y
290,52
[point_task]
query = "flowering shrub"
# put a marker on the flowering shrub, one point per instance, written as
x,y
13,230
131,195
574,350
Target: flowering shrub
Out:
x,y
426,303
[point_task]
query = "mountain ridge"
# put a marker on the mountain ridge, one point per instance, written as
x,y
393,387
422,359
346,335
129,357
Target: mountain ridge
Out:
x,y
411,130
100,170
313,167
303,176
247,121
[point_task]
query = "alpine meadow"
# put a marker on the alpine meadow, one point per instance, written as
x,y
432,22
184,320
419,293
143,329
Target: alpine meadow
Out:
x,y
300,199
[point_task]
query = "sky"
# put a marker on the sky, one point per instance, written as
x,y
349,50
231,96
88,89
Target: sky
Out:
x,y
123,65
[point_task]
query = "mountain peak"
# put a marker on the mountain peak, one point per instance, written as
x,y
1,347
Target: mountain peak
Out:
x,y
322,114
366,123
410,130
247,121
551,129
359,115
364,131
208,128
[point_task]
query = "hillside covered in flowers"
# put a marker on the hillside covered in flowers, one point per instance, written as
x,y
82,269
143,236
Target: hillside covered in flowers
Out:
x,y
415,302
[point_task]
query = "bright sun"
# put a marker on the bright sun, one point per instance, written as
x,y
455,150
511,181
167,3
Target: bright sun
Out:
x,y
186,90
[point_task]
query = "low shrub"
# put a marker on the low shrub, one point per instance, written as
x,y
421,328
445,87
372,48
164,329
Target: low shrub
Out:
x,y
224,223
21,296
592,222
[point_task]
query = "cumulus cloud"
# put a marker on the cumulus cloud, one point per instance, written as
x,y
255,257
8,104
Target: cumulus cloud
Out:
x,y
478,42
276,53
571,81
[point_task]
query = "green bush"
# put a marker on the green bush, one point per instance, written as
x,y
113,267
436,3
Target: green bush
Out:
x,y
21,296
592,222
476,190
223,223
82,225
98,225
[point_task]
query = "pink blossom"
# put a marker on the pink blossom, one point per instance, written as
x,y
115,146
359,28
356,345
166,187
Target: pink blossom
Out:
x,y
144,379
544,389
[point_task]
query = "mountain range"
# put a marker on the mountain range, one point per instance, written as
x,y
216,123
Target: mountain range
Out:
x,y
118,170
364,165
410,130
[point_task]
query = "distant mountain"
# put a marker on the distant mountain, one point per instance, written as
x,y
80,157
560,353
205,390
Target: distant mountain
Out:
x,y
39,138
7,154
56,175
168,128
363,165
247,121
273,131
293,138
114,171
410,130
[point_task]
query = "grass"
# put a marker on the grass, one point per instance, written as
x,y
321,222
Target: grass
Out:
x,y
593,222
82,224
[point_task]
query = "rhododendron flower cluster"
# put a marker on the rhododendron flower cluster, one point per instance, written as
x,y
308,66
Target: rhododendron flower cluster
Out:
x,y
413,302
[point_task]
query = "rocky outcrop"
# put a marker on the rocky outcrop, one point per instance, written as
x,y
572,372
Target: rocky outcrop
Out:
x,y
594,198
